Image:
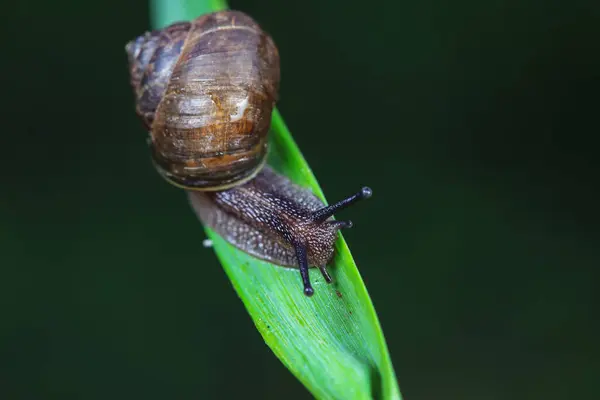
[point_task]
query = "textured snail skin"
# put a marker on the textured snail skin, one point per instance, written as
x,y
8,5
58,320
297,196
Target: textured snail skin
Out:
x,y
265,216
273,219
206,90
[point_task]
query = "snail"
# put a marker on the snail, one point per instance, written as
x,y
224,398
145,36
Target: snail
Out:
x,y
205,90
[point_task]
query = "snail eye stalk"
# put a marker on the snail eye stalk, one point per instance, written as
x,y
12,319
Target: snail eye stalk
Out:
x,y
326,212
303,264
320,217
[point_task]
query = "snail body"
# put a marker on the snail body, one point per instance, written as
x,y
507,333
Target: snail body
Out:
x,y
275,220
205,90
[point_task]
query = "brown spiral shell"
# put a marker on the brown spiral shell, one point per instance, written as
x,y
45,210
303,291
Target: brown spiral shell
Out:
x,y
206,90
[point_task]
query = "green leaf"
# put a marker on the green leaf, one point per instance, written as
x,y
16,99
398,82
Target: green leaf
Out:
x,y
332,342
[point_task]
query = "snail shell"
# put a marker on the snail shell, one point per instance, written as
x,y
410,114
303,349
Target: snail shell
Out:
x,y
206,90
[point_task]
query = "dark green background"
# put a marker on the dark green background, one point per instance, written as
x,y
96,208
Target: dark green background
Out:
x,y
474,122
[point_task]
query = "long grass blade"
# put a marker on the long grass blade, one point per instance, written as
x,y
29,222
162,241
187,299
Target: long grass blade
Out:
x,y
332,342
